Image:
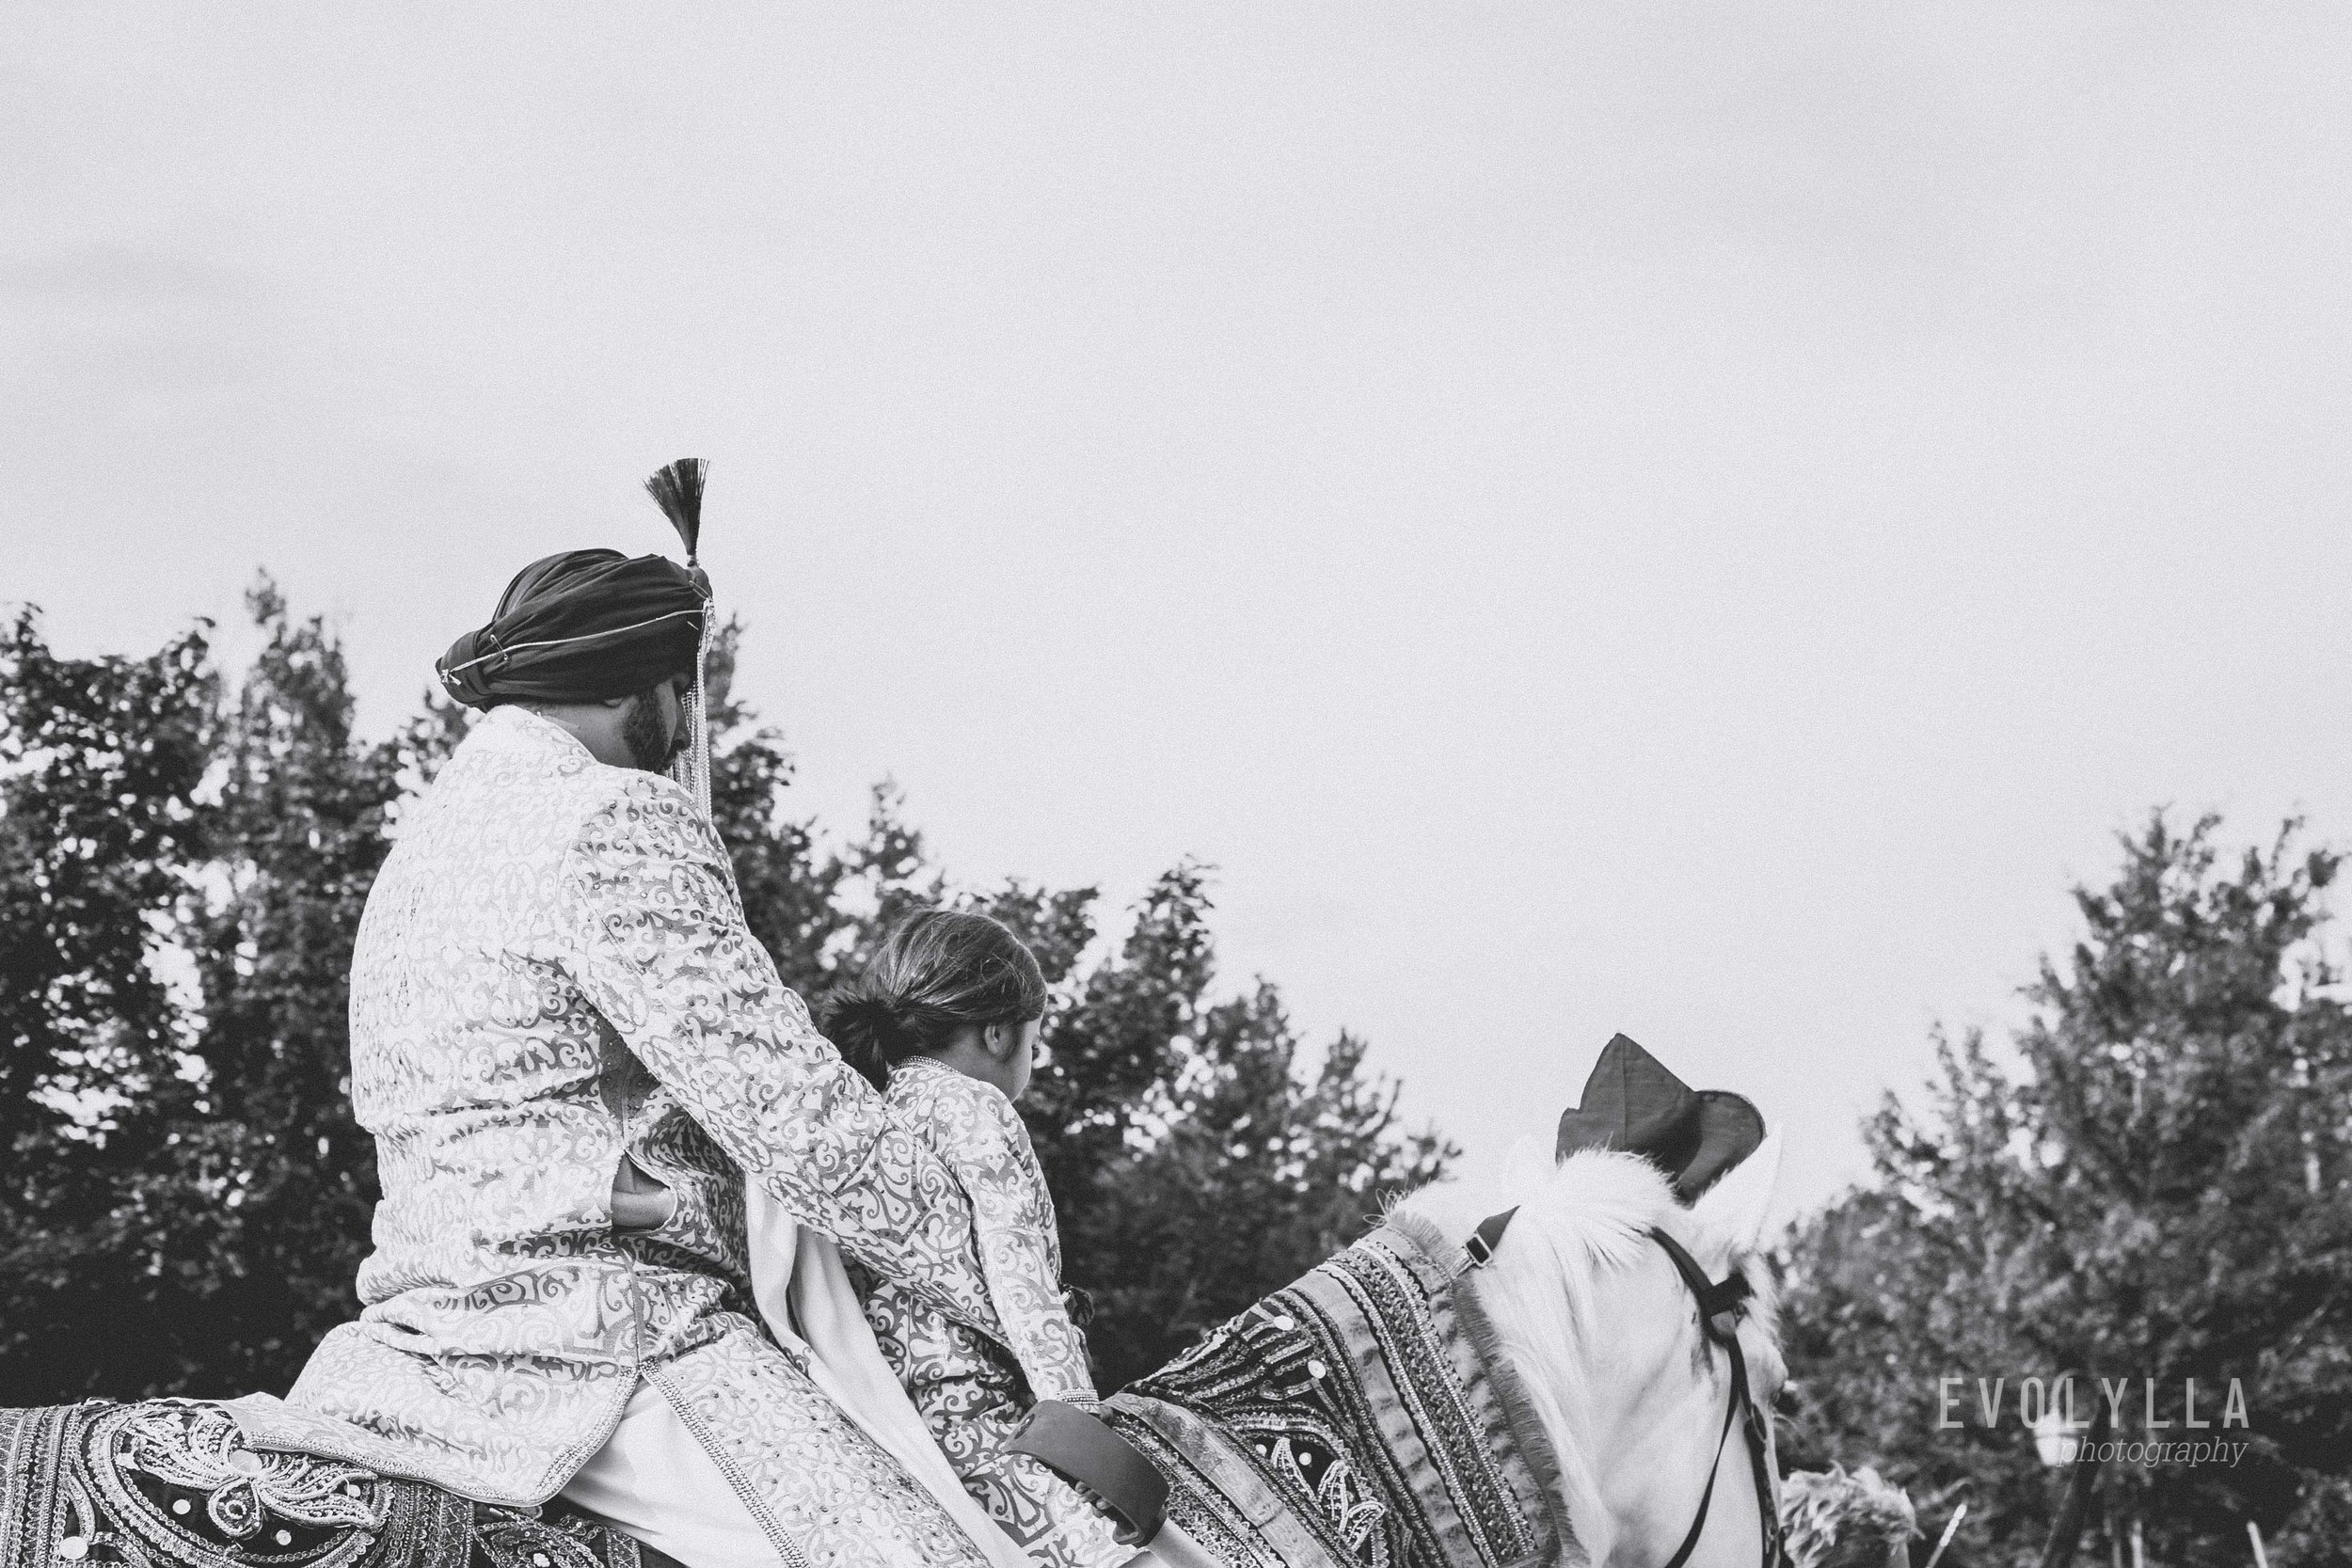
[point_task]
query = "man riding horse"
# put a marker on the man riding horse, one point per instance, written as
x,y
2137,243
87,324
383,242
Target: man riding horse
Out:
x,y
572,1051
574,1056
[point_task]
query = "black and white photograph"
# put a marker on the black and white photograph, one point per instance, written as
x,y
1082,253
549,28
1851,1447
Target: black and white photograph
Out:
x,y
1283,785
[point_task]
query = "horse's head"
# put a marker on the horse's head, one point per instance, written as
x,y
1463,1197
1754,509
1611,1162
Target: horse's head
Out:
x,y
1608,1339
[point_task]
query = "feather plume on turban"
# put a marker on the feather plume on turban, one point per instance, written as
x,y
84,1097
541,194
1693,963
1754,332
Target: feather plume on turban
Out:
x,y
580,628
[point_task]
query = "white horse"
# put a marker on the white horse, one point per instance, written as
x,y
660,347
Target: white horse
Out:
x,y
1631,1390
1562,1367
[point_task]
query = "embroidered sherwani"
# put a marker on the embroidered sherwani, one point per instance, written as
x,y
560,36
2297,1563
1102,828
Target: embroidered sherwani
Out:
x,y
553,972
972,1387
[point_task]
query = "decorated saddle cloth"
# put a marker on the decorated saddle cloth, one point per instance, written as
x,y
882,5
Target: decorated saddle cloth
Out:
x,y
1363,1415
171,1484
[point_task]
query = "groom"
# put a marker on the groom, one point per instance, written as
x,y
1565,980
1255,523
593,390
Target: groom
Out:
x,y
567,1042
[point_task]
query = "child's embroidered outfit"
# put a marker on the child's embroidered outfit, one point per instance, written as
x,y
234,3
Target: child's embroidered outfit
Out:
x,y
972,1390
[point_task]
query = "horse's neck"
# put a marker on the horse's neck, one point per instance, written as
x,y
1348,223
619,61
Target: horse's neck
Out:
x,y
1604,1335
1653,1419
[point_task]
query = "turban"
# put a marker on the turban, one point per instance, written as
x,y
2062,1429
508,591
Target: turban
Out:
x,y
580,628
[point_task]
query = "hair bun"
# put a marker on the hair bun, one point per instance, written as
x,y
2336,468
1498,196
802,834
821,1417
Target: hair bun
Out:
x,y
870,1033
868,1014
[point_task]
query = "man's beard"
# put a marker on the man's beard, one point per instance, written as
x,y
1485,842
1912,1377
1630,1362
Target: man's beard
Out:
x,y
642,731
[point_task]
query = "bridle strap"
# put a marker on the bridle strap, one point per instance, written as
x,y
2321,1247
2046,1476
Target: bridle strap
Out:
x,y
1731,1416
1720,1305
1716,1299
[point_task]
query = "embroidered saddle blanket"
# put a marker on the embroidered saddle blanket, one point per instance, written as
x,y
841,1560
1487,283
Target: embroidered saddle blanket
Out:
x,y
1361,1418
170,1484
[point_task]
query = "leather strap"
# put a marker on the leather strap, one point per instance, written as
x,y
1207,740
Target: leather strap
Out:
x,y
1076,1446
1488,1236
1731,1418
1720,1304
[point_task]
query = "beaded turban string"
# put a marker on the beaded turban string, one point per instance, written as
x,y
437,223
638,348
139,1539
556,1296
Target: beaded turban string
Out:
x,y
677,489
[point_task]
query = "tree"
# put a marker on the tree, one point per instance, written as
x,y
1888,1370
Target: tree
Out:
x,y
791,890
297,835
1158,1112
2159,1192
101,839
1261,1170
1161,1114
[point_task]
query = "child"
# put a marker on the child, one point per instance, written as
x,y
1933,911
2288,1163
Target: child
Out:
x,y
945,1021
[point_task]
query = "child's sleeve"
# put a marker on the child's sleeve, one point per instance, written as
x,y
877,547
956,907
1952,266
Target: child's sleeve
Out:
x,y
1012,1214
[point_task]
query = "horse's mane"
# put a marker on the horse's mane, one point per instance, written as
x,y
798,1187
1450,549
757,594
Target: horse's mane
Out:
x,y
1579,1222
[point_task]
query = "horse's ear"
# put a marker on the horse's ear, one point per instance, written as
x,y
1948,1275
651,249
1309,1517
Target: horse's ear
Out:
x,y
1741,1201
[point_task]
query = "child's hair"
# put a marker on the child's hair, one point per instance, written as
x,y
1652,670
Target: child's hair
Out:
x,y
938,971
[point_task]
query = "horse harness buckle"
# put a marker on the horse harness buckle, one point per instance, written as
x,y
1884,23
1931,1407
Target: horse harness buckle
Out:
x,y
1479,1250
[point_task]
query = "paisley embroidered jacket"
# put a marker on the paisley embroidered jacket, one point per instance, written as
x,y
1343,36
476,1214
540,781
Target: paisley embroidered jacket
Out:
x,y
973,1387
553,971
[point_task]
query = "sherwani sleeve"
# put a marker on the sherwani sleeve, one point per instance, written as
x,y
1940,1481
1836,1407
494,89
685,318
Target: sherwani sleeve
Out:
x,y
661,950
988,1150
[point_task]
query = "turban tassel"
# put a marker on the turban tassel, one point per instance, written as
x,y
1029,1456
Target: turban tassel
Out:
x,y
677,489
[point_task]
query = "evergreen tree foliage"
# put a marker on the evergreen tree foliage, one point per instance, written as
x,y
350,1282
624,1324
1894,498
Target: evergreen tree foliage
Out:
x,y
2159,1190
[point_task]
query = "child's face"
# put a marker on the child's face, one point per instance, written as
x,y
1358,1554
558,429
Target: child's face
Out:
x,y
1020,1057
998,1054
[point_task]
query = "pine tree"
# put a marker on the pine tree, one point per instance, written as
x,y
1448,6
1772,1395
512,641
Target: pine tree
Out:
x,y
1161,1115
1261,1171
2164,1192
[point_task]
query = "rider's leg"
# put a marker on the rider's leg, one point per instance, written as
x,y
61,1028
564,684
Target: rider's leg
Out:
x,y
654,1482
766,1444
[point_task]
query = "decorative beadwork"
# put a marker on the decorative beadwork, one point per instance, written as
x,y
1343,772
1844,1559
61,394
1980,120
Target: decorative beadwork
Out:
x,y
1287,1422
198,1447
170,1484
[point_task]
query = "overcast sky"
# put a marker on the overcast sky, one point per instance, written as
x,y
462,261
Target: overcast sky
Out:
x,y
1692,519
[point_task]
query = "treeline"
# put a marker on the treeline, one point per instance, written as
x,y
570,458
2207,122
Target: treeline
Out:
x,y
2150,1187
185,1197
